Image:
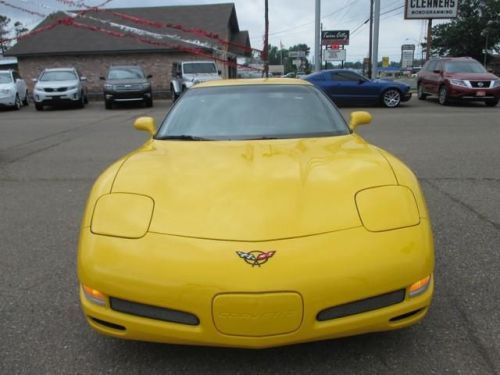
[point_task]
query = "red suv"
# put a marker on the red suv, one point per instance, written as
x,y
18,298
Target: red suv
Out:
x,y
458,78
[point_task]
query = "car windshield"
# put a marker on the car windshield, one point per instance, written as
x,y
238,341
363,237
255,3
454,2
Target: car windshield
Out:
x,y
59,75
197,68
252,112
125,73
464,67
5,78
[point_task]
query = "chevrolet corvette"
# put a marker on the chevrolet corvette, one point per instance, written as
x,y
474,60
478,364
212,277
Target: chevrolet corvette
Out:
x,y
255,216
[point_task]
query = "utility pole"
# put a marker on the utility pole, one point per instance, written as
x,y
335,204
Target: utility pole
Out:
x,y
429,39
376,28
370,48
266,40
317,42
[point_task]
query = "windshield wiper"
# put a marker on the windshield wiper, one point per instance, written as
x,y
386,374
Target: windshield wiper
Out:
x,y
259,138
183,137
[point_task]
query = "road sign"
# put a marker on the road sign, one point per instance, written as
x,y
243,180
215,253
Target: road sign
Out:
x,y
426,9
334,55
293,54
335,37
297,62
385,61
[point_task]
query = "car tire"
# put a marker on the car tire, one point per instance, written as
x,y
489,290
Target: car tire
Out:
x,y
39,107
86,99
26,100
149,103
18,104
420,92
108,104
443,97
173,94
391,98
492,102
81,102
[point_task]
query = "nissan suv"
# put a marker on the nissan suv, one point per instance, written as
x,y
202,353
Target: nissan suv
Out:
x,y
127,83
60,86
458,78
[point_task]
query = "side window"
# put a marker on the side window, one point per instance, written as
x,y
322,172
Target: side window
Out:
x,y
15,76
344,76
431,66
439,66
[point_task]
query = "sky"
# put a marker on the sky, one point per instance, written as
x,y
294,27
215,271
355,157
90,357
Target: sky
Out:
x,y
290,21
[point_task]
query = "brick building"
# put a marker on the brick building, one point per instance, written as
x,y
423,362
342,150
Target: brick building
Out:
x,y
92,51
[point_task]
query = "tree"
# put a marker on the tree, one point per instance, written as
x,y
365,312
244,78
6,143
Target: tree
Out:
x,y
477,25
4,21
20,29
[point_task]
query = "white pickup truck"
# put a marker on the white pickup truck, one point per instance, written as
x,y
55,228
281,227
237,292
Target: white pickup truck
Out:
x,y
187,73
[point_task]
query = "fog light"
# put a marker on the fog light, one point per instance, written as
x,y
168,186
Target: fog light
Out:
x,y
94,296
419,287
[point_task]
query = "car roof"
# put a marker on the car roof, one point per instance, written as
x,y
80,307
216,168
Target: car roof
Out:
x,y
197,61
58,69
463,58
254,81
125,66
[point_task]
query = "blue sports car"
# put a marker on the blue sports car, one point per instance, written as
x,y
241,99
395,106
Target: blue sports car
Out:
x,y
346,87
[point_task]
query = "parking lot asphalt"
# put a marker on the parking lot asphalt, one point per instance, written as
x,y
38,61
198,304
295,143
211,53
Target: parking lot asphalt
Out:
x,y
49,160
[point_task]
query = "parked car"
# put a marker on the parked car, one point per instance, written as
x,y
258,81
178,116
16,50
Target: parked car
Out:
x,y
346,87
458,78
255,216
58,86
13,90
187,73
127,83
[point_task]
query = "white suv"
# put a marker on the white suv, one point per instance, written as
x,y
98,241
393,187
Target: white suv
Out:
x,y
59,86
13,90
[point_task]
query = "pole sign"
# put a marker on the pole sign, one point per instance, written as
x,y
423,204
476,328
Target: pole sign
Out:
x,y
335,37
334,55
385,61
407,55
427,9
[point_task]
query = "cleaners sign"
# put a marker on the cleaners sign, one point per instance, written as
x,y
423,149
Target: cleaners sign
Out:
x,y
426,9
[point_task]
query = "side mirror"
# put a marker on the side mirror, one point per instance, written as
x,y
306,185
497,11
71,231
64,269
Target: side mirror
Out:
x,y
361,81
149,76
102,78
220,72
83,79
359,118
436,71
34,80
146,124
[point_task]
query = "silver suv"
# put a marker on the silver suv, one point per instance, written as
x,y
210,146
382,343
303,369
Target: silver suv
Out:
x,y
187,73
59,86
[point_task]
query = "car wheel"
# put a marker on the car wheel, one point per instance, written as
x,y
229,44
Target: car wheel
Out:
x,y
443,96
39,107
108,104
26,100
173,95
420,92
492,102
149,103
86,99
391,98
18,104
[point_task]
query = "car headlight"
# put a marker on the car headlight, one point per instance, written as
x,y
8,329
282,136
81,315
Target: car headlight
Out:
x,y
108,86
122,215
387,208
496,83
146,85
72,88
189,84
6,91
458,82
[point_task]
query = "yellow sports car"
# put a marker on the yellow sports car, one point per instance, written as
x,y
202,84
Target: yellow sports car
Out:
x,y
254,217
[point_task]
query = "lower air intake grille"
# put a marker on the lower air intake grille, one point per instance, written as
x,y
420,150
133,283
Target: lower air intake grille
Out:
x,y
153,312
368,304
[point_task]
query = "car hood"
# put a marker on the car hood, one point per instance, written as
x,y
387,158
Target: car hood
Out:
x,y
472,76
56,84
254,190
126,81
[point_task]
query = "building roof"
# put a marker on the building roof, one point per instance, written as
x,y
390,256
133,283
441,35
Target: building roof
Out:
x,y
63,39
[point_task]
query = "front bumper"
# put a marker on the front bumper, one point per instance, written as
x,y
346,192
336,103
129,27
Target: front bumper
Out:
x,y
7,100
54,98
128,96
207,279
473,94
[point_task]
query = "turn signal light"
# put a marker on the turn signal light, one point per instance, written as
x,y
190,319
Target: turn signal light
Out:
x,y
419,287
94,296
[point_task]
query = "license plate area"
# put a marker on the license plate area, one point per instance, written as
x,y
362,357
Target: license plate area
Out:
x,y
480,93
